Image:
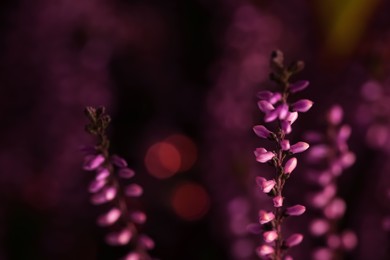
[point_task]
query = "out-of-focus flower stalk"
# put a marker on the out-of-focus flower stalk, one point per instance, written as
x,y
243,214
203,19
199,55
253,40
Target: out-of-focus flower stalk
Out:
x,y
276,106
106,188
333,152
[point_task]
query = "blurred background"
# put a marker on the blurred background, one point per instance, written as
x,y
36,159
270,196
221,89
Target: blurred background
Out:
x,y
180,80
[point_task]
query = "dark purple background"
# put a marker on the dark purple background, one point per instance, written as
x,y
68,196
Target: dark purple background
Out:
x,y
189,67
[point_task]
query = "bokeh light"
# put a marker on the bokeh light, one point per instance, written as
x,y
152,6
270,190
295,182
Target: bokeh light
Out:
x,y
176,153
190,201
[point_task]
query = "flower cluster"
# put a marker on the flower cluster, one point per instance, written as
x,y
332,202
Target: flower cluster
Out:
x,y
333,154
106,189
277,107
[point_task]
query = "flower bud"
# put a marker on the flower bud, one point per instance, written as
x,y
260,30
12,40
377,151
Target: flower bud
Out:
x,y
291,117
294,240
335,115
265,106
133,190
264,250
299,147
118,161
266,186
290,165
263,156
271,116
265,217
302,105
282,111
296,210
278,201
126,173
270,236
109,218
285,144
92,162
286,126
275,98
119,238
261,131
298,86
265,95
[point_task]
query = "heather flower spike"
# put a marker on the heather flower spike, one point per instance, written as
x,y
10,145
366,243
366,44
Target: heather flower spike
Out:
x,y
278,107
106,188
332,156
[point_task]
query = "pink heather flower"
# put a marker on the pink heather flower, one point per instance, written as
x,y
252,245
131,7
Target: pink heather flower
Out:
x,y
318,152
299,147
265,106
271,116
286,126
265,186
296,210
335,115
126,173
302,105
278,201
349,240
109,218
294,240
263,156
254,228
110,193
138,217
290,165
335,209
265,217
102,174
275,98
319,227
96,185
270,236
285,144
292,117
262,131
264,250
298,86
133,190
133,256
119,238
118,161
146,242
333,241
92,162
344,133
282,111
265,95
